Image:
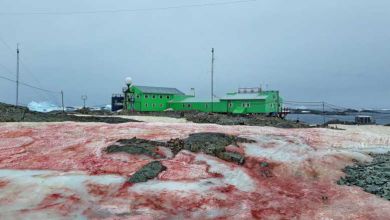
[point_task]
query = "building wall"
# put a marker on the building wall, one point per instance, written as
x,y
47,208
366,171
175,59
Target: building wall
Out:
x,y
160,102
249,106
144,102
199,106
154,102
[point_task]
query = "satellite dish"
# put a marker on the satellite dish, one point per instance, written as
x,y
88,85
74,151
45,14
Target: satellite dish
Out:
x,y
128,80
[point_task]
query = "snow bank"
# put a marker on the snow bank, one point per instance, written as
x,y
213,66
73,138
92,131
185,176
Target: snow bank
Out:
x,y
43,107
60,171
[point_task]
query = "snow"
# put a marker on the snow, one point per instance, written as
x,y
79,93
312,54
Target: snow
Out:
x,y
43,107
29,188
233,175
144,118
174,186
60,171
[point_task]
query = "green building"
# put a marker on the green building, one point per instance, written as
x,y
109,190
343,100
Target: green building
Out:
x,y
244,101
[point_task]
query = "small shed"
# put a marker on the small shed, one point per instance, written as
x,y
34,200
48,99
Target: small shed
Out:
x,y
364,119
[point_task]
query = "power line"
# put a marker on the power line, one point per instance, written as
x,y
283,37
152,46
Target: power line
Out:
x,y
127,10
5,43
298,102
7,69
28,85
46,96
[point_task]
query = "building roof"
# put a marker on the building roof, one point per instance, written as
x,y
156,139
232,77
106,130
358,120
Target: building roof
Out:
x,y
194,99
244,96
160,90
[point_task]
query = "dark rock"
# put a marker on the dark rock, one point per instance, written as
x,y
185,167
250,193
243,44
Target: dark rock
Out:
x,y
136,146
11,113
209,143
264,164
147,172
232,157
373,177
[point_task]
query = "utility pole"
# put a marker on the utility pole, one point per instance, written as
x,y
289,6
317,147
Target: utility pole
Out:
x,y
323,111
62,101
84,98
212,79
17,74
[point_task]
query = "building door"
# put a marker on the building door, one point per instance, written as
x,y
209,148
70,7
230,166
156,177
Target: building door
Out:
x,y
229,106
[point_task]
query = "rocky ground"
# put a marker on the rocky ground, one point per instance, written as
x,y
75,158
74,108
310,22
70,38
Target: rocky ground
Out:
x,y
373,177
225,119
213,144
11,113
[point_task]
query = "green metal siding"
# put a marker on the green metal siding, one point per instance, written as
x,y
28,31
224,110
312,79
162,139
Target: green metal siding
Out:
x,y
199,106
145,102
265,102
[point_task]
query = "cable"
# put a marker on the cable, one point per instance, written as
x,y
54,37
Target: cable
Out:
x,y
301,102
28,85
127,10
38,82
46,96
7,69
5,43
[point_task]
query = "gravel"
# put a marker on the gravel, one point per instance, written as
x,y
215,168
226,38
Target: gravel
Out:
x,y
373,177
11,113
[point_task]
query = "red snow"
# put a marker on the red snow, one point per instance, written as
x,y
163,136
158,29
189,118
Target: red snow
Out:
x,y
265,187
3,183
63,204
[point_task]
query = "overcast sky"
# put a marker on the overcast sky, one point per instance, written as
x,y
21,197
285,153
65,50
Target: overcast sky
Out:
x,y
336,51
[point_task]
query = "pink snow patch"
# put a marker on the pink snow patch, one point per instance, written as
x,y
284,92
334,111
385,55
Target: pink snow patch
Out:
x,y
184,168
235,149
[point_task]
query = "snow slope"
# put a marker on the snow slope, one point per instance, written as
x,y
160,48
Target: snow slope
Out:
x,y
59,171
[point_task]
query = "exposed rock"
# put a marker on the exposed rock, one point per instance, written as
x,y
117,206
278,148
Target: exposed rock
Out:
x,y
147,172
373,177
209,143
136,146
11,113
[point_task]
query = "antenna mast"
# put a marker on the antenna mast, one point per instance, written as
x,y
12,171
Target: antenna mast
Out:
x,y
212,79
17,74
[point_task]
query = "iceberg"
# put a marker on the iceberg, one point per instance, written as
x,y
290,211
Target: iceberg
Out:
x,y
43,107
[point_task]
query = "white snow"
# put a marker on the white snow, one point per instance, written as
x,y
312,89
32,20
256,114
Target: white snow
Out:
x,y
43,107
29,187
150,119
157,185
234,176
286,149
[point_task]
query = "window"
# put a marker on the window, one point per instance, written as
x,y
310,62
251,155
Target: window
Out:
x,y
161,105
184,105
153,96
146,96
230,105
206,105
146,104
189,105
243,105
168,97
138,96
153,105
161,96
248,105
